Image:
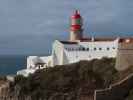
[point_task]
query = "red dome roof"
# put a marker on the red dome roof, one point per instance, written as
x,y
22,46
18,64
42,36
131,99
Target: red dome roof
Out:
x,y
76,15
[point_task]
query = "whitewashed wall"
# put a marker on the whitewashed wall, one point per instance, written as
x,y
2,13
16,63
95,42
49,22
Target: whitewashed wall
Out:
x,y
70,53
31,60
57,53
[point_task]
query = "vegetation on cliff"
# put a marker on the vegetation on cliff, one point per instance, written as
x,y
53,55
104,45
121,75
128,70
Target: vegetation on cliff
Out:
x,y
67,81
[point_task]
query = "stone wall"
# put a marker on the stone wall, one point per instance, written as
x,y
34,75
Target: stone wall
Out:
x,y
117,91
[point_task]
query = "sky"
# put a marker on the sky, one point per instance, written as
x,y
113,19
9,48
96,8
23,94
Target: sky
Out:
x,y
28,27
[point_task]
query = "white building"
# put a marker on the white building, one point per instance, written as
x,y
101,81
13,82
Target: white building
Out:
x,y
73,50
65,52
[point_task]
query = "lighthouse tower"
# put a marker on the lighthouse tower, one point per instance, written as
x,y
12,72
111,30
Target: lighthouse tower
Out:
x,y
76,27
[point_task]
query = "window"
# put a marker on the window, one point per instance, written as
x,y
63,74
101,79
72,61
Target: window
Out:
x,y
100,48
87,49
72,49
95,49
69,49
83,49
108,48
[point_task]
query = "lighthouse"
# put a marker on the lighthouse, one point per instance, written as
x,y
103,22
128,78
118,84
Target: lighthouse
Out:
x,y
76,31
78,48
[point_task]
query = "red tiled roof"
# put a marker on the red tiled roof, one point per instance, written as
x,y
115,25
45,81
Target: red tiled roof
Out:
x,y
85,39
104,39
97,39
88,40
126,40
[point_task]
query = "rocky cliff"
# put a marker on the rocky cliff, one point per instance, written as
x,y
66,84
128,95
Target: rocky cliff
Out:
x,y
8,92
68,82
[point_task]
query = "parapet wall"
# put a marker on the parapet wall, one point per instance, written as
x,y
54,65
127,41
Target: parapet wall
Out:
x,y
117,91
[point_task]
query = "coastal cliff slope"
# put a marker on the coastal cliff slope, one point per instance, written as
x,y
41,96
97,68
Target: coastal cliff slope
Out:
x,y
76,81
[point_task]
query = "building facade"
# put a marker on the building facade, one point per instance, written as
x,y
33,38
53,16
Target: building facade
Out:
x,y
65,52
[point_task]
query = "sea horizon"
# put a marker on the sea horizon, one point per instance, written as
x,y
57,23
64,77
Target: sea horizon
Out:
x,y
10,64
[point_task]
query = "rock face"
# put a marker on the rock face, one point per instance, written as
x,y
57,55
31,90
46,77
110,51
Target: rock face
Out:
x,y
4,89
7,94
124,59
67,82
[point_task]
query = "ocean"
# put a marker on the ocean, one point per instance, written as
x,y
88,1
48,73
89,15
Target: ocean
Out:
x,y
9,65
